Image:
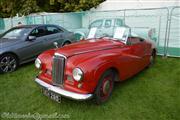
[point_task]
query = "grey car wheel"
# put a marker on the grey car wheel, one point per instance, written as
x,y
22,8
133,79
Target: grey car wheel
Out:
x,y
8,63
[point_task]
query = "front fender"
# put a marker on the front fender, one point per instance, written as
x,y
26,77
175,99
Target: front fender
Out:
x,y
46,59
93,66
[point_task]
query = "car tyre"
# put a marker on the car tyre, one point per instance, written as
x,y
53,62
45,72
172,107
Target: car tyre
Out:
x,y
105,87
8,63
152,59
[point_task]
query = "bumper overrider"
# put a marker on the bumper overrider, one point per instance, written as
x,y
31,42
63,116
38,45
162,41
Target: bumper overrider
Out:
x,y
62,92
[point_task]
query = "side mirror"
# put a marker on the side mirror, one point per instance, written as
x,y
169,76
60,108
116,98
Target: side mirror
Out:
x,y
55,44
31,38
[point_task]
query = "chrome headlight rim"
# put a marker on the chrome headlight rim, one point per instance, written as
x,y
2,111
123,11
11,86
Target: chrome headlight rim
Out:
x,y
77,74
38,63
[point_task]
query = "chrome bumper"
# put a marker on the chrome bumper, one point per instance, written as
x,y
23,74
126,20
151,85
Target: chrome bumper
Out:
x,y
65,93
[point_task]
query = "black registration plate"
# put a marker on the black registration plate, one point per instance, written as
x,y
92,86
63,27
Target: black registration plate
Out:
x,y
52,95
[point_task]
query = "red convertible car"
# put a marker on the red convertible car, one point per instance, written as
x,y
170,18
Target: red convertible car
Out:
x,y
89,68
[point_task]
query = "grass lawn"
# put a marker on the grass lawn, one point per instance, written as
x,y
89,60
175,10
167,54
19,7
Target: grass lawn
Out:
x,y
153,94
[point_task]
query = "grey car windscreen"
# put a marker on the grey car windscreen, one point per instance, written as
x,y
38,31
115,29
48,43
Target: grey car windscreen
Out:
x,y
16,33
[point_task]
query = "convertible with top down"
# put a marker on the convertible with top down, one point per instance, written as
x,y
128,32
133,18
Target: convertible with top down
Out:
x,y
88,69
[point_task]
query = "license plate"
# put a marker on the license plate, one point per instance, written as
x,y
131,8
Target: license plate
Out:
x,y
52,95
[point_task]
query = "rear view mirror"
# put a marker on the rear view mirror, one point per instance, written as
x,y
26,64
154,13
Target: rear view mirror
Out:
x,y
31,38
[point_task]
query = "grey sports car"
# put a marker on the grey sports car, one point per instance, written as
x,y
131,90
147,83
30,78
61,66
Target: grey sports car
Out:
x,y
23,43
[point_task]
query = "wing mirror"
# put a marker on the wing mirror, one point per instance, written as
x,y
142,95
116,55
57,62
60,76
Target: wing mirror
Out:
x,y
55,44
31,38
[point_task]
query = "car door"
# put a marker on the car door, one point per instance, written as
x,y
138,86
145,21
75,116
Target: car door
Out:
x,y
137,50
53,34
32,48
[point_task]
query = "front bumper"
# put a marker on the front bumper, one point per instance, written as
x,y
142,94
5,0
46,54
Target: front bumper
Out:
x,y
65,93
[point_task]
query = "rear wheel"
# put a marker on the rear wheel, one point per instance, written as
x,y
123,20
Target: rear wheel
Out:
x,y
8,63
152,58
105,87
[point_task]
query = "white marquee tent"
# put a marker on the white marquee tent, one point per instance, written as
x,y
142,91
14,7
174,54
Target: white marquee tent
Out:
x,y
163,15
135,4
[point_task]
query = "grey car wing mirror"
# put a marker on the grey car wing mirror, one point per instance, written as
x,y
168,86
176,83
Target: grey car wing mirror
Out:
x,y
31,38
55,44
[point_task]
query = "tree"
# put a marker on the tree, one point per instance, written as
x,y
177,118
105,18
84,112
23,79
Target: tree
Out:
x,y
9,8
70,5
29,6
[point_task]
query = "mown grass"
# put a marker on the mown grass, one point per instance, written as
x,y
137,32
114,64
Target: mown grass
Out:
x,y
153,94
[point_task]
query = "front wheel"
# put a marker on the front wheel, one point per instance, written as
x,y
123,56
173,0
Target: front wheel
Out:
x,y
105,87
8,63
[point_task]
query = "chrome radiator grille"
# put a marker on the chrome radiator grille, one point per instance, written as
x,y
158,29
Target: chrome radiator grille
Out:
x,y
58,69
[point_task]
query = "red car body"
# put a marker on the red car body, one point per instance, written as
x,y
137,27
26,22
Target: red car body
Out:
x,y
94,57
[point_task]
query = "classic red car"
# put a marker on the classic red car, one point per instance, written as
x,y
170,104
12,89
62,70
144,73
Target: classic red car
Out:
x,y
89,68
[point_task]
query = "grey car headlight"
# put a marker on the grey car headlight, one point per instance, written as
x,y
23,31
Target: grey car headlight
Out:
x,y
38,63
77,74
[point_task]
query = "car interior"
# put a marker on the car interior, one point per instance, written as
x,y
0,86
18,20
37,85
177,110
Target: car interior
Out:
x,y
134,40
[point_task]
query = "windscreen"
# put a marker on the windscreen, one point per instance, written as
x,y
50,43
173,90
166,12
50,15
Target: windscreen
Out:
x,y
16,33
118,33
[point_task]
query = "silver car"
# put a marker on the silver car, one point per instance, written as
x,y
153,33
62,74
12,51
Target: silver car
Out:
x,y
23,43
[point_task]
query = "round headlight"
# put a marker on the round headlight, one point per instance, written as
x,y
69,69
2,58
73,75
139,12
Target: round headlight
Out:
x,y
38,63
77,74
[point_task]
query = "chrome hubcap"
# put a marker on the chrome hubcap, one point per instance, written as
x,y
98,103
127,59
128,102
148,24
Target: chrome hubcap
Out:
x,y
8,64
106,87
